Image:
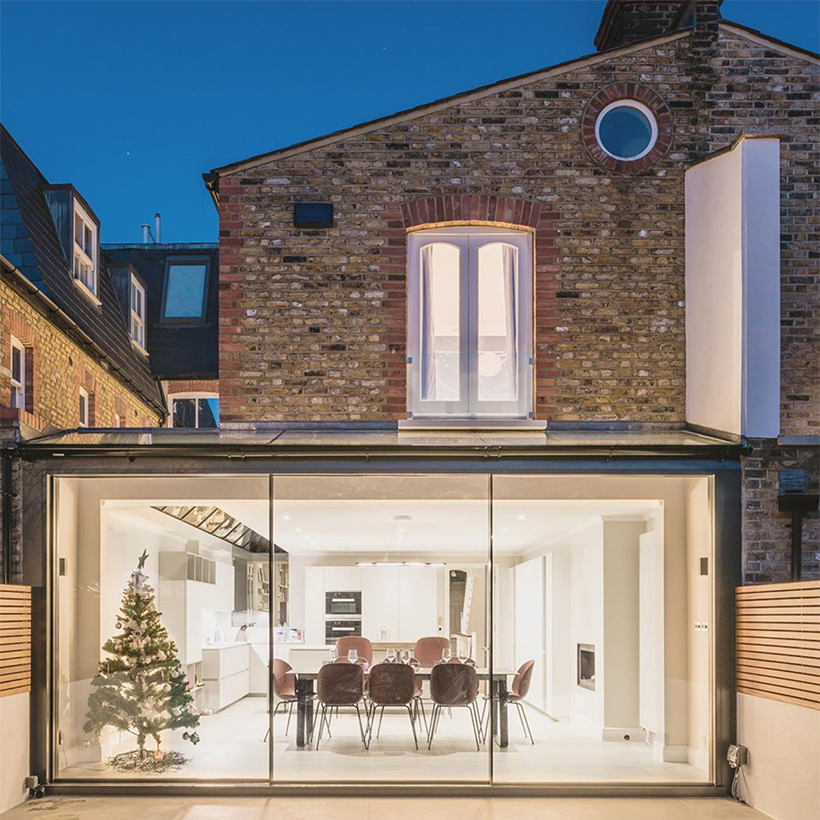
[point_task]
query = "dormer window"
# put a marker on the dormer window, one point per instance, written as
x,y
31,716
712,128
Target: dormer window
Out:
x,y
137,323
85,250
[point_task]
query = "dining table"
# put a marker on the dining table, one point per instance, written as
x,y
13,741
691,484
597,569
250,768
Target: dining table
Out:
x,y
306,676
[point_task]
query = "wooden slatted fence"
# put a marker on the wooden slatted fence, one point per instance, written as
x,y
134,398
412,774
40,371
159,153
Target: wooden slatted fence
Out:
x,y
15,639
778,642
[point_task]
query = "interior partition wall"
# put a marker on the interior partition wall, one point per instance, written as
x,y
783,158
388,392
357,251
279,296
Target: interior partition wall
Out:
x,y
573,612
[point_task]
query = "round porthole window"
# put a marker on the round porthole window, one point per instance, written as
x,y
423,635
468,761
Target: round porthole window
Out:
x,y
626,130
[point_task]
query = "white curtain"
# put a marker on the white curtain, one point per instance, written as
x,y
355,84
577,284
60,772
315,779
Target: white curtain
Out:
x,y
509,261
428,337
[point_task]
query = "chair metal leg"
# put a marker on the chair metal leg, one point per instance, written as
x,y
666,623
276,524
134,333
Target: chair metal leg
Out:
x,y
433,724
413,726
290,715
361,729
321,726
420,703
476,731
526,721
379,730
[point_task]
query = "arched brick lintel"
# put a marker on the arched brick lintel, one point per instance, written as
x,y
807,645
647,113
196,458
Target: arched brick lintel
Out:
x,y
402,217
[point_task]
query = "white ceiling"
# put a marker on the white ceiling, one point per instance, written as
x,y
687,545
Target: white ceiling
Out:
x,y
401,529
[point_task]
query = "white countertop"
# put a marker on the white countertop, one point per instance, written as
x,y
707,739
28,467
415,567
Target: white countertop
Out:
x,y
224,645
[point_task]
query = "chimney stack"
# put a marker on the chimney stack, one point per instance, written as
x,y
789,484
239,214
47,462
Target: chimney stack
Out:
x,y
146,232
157,228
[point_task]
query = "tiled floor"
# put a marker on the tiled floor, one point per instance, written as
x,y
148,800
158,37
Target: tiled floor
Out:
x,y
233,746
312,808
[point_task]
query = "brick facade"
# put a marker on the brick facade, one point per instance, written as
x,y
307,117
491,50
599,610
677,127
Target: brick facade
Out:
x,y
313,323
58,367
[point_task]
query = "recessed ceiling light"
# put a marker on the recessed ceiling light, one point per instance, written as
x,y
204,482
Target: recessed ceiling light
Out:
x,y
521,516
286,518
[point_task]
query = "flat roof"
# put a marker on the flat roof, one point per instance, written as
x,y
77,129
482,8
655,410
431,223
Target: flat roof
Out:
x,y
301,440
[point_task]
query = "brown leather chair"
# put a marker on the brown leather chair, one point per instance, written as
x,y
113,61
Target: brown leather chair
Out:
x,y
339,684
428,650
518,691
283,682
454,685
363,647
391,684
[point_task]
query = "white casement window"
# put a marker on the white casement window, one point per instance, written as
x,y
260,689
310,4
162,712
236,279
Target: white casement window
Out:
x,y
85,250
84,404
117,420
137,313
195,410
470,323
18,374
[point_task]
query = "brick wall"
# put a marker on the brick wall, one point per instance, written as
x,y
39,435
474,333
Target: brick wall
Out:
x,y
57,368
305,321
308,319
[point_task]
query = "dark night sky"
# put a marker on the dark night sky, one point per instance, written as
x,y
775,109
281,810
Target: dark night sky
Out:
x,y
132,101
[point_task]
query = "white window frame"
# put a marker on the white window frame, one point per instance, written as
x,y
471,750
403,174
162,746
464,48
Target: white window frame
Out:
x,y
117,420
191,395
18,388
653,124
84,417
137,322
81,255
469,240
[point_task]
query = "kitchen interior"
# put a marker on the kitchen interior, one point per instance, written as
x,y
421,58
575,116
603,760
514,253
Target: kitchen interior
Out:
x,y
578,587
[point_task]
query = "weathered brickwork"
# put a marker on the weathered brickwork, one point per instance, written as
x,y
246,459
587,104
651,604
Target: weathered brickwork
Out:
x,y
307,325
57,368
766,531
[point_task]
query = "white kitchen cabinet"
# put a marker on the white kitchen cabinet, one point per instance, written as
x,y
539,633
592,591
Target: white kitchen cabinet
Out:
x,y
380,601
226,674
343,579
315,605
418,603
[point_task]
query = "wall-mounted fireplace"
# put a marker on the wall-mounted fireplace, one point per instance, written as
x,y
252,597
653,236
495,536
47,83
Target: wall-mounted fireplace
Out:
x,y
586,666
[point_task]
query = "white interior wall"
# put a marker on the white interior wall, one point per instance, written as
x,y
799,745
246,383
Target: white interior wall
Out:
x,y
733,290
529,625
621,628
651,646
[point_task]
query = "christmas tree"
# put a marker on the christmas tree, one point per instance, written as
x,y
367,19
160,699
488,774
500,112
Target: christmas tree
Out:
x,y
141,688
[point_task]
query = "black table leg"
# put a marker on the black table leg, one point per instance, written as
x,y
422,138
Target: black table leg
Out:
x,y
500,729
304,711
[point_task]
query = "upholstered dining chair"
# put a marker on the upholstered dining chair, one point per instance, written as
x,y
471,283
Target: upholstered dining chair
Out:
x,y
283,682
454,685
427,651
363,647
518,691
391,684
339,684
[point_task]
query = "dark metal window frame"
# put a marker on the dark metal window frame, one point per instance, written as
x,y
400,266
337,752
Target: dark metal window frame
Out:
x,y
40,570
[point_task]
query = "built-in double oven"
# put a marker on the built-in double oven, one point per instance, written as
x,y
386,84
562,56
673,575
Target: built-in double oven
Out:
x,y
343,615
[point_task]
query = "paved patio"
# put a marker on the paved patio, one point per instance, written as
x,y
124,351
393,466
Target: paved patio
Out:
x,y
308,808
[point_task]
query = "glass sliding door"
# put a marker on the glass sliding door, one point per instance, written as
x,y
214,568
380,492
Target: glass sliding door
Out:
x,y
387,582
162,601
598,583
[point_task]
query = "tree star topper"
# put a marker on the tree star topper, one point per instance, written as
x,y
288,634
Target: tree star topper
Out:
x,y
142,559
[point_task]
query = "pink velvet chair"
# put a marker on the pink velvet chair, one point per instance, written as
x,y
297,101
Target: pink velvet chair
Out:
x,y
454,685
427,651
283,682
363,647
518,691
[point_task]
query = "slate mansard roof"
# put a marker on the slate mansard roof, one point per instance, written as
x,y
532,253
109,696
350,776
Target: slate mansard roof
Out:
x,y
30,242
177,351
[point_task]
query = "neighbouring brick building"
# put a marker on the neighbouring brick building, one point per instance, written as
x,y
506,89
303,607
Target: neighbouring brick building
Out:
x,y
62,327
313,322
